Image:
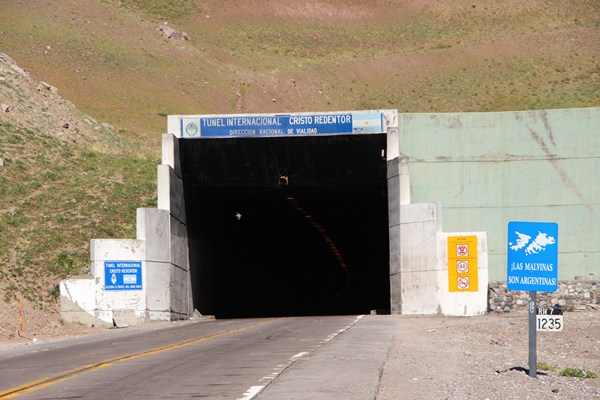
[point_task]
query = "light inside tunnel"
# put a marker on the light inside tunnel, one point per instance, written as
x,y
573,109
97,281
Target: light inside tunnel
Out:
x,y
287,226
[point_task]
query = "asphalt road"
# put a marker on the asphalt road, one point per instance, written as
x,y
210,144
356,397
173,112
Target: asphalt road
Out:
x,y
286,358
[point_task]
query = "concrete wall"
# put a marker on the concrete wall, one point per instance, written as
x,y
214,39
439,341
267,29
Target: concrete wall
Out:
x,y
165,293
419,263
487,169
161,245
418,255
165,298
84,300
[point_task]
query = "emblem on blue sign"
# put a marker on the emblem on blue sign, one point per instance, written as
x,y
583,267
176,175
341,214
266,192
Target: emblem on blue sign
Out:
x,y
191,129
532,256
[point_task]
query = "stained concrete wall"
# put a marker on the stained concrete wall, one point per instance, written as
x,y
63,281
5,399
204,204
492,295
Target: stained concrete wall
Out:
x,y
487,169
165,293
418,255
84,300
171,199
419,267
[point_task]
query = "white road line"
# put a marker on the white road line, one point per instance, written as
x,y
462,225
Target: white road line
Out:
x,y
255,390
250,393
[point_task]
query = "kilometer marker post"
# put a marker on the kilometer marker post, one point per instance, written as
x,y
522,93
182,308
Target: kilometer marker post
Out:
x,y
20,317
532,334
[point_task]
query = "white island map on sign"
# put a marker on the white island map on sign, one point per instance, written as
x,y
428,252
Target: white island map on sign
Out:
x,y
532,247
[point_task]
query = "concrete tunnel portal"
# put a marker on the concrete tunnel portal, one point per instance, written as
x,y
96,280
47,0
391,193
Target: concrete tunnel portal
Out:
x,y
278,215
282,226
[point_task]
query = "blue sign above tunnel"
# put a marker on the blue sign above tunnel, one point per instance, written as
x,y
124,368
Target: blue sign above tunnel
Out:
x,y
266,125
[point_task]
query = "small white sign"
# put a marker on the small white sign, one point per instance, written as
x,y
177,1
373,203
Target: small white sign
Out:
x,y
462,250
462,266
463,282
549,323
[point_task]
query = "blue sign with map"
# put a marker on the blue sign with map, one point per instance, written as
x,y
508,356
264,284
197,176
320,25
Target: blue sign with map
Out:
x,y
264,125
532,256
122,275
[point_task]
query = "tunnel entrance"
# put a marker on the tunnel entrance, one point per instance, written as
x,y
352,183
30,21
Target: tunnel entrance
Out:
x,y
282,226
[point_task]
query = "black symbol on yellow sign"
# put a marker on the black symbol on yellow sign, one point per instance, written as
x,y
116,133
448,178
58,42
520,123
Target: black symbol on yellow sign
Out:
x,y
463,282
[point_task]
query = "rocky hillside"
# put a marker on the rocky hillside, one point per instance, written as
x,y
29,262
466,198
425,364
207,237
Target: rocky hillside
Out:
x,y
64,178
37,107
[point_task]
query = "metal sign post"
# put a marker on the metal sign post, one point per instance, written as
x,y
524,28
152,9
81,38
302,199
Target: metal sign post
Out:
x,y
532,265
532,335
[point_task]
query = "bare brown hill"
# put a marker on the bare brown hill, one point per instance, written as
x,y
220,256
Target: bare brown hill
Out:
x,y
418,56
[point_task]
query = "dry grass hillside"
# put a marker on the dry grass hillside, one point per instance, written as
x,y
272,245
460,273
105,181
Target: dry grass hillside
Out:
x,y
64,178
112,77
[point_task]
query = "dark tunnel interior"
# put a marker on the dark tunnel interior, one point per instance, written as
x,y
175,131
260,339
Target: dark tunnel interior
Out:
x,y
287,226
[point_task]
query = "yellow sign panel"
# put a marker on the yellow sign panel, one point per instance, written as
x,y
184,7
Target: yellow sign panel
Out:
x,y
462,264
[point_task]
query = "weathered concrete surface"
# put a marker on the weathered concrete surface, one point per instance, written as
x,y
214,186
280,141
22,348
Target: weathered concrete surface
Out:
x,y
487,169
84,300
419,263
171,198
165,293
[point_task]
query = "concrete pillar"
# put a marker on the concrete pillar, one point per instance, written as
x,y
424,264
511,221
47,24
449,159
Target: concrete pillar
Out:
x,y
419,267
171,198
153,229
398,197
394,234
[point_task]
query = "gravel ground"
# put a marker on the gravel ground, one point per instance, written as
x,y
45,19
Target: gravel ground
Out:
x,y
485,357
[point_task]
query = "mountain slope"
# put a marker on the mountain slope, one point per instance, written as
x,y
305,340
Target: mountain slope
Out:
x,y
418,56
64,179
78,160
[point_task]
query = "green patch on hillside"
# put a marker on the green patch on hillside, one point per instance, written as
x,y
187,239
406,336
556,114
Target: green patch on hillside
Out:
x,y
519,84
113,65
56,197
163,9
259,42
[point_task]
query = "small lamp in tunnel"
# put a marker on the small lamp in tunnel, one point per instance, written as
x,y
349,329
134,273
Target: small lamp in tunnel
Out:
x,y
283,178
